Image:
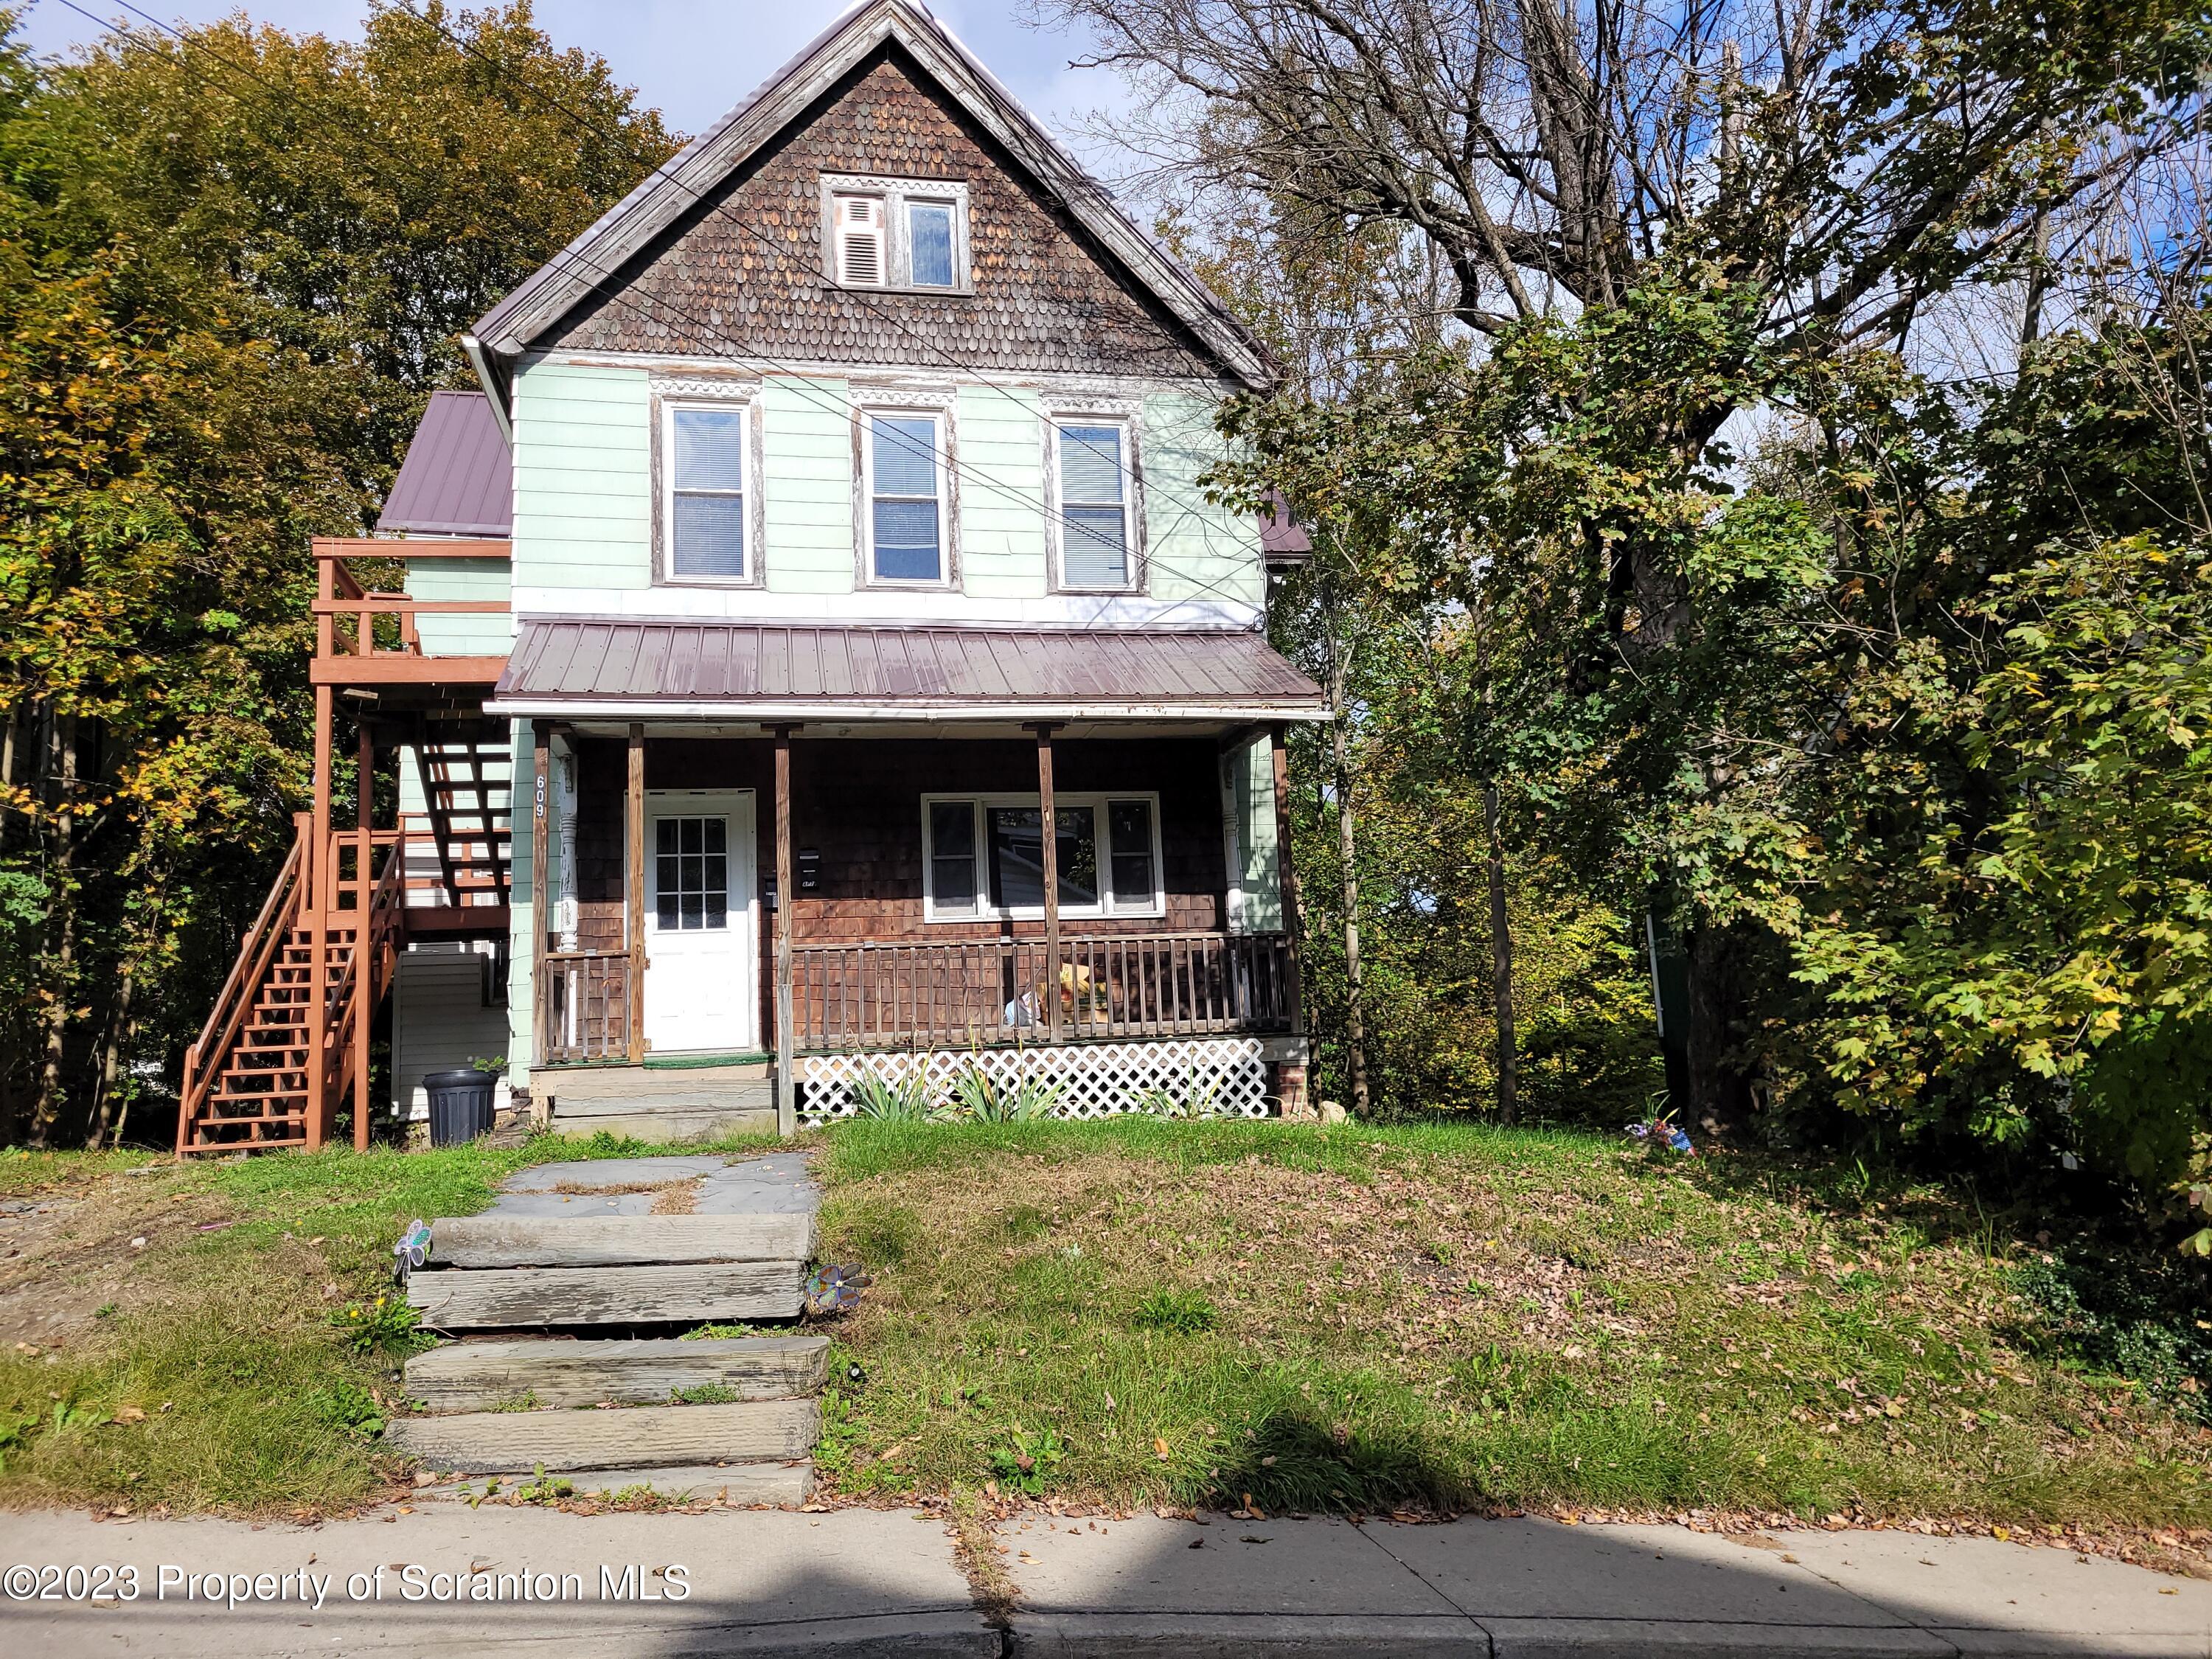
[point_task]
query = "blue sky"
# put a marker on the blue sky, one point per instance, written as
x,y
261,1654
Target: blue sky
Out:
x,y
693,58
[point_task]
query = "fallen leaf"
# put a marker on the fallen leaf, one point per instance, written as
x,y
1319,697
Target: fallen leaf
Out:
x,y
1160,1450
131,1413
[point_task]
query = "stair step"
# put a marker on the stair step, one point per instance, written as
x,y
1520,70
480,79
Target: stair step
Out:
x,y
639,1437
473,1377
513,1297
588,1241
736,1484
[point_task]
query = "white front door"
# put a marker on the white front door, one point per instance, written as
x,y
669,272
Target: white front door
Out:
x,y
702,924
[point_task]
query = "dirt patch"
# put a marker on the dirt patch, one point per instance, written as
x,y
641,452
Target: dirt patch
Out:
x,y
64,1256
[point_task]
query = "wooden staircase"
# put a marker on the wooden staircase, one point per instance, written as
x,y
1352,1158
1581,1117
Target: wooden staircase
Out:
x,y
468,794
512,1405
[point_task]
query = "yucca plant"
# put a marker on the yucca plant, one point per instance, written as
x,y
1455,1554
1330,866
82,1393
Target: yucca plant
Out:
x,y
983,1101
906,1100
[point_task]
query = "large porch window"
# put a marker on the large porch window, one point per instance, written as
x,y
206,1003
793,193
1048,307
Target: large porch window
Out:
x,y
984,856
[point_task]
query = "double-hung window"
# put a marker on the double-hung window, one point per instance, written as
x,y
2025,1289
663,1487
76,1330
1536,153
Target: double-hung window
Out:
x,y
897,232
1097,544
985,856
905,506
705,458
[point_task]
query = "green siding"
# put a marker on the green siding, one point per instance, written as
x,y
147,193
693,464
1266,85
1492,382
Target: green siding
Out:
x,y
1195,549
807,443
1002,521
485,635
583,505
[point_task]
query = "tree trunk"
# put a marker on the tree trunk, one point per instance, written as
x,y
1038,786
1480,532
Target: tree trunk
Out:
x,y
119,1026
1355,1012
63,959
1720,1097
1501,964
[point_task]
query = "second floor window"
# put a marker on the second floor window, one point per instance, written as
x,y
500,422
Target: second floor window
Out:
x,y
1095,539
706,458
905,498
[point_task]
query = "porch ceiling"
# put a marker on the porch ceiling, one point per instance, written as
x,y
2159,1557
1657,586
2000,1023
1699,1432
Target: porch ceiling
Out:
x,y
582,669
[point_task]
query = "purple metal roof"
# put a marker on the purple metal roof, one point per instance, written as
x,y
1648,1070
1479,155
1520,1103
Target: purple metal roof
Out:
x,y
1282,539
457,478
801,671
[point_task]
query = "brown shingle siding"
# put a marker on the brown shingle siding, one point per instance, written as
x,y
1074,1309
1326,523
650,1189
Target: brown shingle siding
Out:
x,y
743,274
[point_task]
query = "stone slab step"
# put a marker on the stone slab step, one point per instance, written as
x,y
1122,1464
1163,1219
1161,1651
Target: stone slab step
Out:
x,y
510,1298
588,1241
734,1484
473,1377
667,1128
642,1437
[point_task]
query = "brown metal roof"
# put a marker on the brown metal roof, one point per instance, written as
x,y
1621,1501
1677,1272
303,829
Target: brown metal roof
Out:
x,y
457,478
760,670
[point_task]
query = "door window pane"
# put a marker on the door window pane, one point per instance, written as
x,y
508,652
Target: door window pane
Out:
x,y
1131,824
952,854
1094,524
706,516
691,874
929,243
906,521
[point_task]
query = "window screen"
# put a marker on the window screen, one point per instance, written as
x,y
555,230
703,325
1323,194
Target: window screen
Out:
x,y
691,874
1093,504
906,518
929,244
952,855
1130,823
708,492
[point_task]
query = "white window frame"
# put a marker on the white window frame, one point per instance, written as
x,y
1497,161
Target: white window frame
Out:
x,y
1133,485
865,415
668,400
1101,829
895,194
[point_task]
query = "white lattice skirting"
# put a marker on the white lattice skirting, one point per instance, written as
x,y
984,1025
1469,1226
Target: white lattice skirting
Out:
x,y
1099,1079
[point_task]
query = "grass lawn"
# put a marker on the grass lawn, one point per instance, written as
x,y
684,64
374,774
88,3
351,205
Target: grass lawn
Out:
x,y
1349,1318
1368,1319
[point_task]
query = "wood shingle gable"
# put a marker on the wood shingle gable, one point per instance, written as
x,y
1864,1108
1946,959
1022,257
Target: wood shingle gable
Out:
x,y
719,253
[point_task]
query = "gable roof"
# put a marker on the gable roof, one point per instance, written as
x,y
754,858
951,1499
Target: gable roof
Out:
x,y
588,264
457,478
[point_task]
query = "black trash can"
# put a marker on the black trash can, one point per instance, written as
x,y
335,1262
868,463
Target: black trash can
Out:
x,y
460,1105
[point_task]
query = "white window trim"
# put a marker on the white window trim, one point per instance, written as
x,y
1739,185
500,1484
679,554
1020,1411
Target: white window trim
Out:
x,y
935,409
898,255
1132,487
667,402
1101,829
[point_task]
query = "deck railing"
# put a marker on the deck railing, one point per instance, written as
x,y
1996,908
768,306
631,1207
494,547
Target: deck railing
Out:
x,y
583,1006
897,994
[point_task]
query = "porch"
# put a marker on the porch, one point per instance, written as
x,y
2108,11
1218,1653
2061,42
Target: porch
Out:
x,y
1097,900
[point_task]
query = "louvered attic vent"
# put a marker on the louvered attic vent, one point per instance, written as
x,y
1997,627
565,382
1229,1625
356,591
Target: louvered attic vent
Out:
x,y
860,241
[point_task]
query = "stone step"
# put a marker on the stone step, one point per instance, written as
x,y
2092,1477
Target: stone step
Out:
x,y
589,1240
666,1128
513,1298
638,1436
736,1484
472,1377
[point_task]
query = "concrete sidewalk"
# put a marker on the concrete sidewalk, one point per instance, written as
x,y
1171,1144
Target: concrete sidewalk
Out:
x,y
449,1579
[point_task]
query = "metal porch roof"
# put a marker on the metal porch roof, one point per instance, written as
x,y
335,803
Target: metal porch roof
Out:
x,y
757,671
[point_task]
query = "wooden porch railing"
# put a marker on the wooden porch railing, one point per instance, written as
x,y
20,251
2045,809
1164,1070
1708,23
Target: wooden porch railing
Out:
x,y
885,994
583,1006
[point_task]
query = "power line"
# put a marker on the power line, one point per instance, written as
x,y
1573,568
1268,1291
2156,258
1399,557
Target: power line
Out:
x,y
800,382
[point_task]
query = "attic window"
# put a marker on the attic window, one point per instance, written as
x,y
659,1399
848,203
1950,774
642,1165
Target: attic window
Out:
x,y
910,233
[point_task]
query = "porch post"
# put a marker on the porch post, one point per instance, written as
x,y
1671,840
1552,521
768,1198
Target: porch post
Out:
x,y
634,841
365,964
787,1108
317,877
541,750
1291,1076
1049,825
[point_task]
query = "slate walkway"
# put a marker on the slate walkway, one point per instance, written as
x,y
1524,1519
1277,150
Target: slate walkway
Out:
x,y
861,1581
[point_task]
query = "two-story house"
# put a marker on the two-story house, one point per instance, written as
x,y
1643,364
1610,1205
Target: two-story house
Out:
x,y
817,653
